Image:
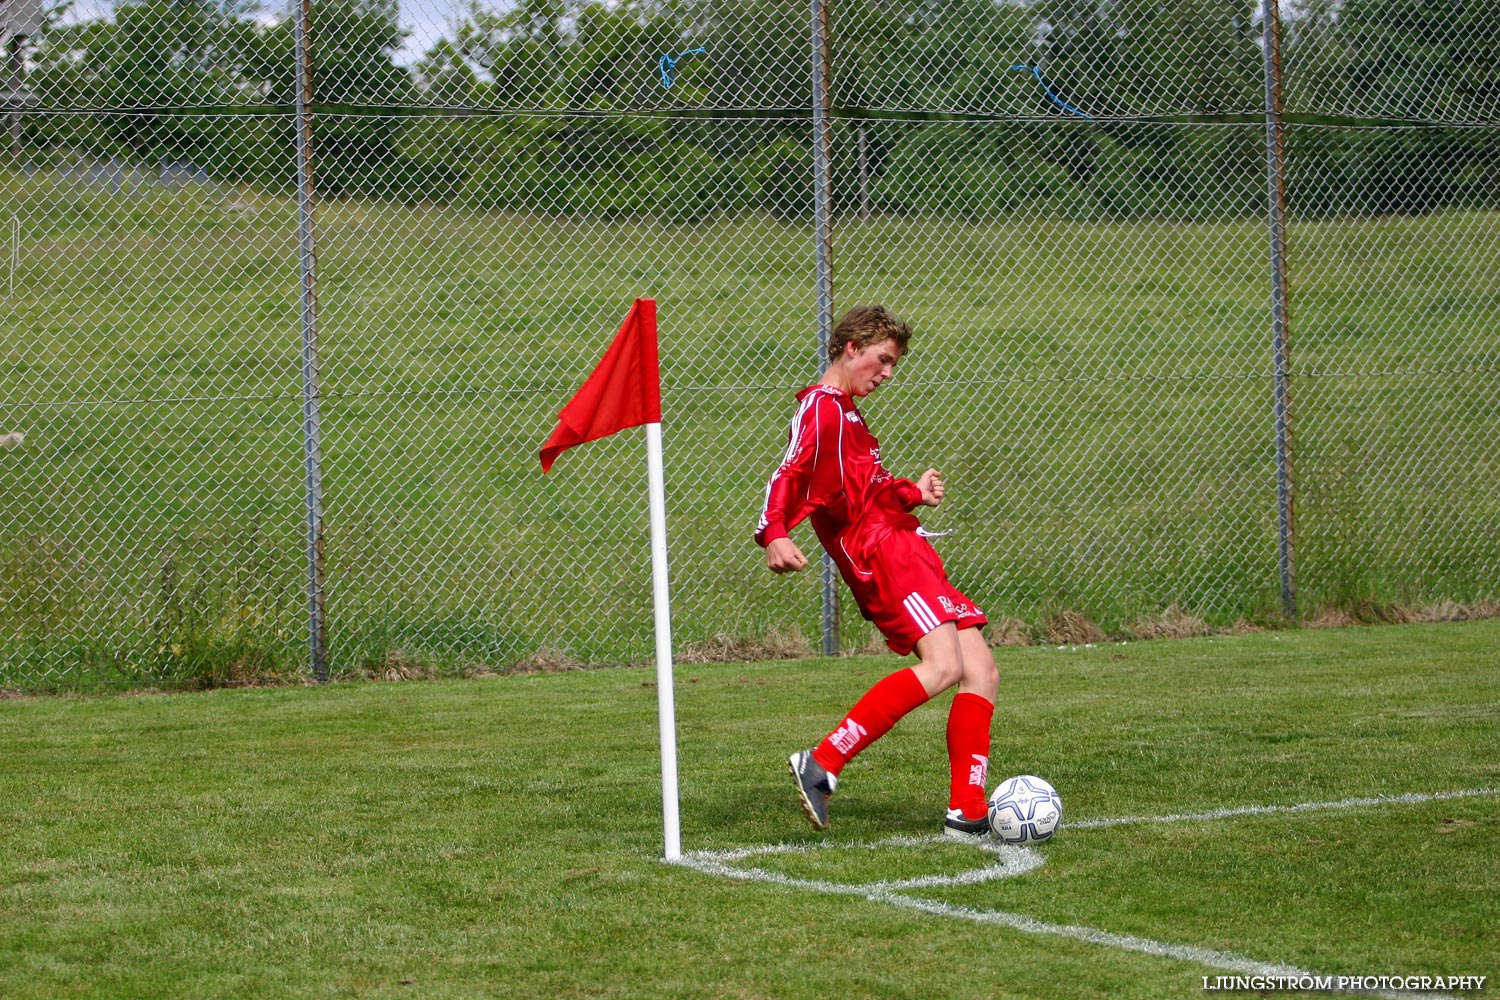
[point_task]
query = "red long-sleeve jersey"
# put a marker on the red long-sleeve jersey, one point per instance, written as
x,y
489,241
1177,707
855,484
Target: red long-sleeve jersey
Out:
x,y
832,473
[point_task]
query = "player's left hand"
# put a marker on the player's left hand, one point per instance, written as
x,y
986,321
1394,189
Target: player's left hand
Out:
x,y
931,485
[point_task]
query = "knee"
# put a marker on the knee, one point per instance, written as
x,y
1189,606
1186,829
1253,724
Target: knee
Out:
x,y
948,671
949,663
942,660
981,675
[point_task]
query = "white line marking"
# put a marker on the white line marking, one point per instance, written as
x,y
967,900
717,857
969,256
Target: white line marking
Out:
x,y
741,853
1010,861
1361,803
1013,861
878,892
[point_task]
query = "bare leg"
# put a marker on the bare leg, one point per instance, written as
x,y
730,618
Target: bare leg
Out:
x,y
942,659
981,676
949,657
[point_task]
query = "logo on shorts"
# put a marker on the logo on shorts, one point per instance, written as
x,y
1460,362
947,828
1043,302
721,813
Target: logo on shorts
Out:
x,y
847,736
964,610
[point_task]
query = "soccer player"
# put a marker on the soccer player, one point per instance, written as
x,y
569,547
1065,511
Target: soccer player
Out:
x,y
863,517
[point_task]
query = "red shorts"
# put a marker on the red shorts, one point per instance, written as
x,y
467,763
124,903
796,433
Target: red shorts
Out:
x,y
906,593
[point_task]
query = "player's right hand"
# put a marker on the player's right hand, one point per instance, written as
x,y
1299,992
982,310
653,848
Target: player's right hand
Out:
x,y
931,485
783,556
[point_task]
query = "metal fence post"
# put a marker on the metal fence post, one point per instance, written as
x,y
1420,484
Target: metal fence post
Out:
x,y
1276,189
17,96
311,423
14,59
823,236
864,175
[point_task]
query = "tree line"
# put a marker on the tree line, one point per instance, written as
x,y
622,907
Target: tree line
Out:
x,y
1085,108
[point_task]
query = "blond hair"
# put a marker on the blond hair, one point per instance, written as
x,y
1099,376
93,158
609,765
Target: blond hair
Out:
x,y
864,326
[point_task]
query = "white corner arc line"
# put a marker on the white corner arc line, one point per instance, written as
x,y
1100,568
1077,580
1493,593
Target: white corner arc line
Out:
x,y
718,863
876,893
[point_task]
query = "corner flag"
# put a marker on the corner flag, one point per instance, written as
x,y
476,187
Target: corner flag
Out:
x,y
625,391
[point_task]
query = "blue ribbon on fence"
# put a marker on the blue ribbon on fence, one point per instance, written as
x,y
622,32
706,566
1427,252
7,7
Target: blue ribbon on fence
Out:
x,y
1036,71
668,64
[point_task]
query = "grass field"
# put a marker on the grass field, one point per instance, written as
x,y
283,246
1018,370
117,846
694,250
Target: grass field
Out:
x,y
1098,394
501,836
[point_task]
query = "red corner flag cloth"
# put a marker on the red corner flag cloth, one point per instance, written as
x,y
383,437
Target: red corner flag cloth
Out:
x,y
624,390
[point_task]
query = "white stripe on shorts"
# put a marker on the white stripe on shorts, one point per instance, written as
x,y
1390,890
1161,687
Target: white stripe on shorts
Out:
x,y
921,612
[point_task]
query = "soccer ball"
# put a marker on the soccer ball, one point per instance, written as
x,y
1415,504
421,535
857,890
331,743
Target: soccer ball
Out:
x,y
1025,809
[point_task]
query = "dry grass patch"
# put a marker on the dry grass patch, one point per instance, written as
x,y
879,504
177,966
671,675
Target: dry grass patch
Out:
x,y
546,660
1008,632
1370,612
725,648
1452,611
400,665
1069,628
1171,623
1365,612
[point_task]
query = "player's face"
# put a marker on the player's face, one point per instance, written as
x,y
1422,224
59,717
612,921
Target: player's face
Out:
x,y
868,367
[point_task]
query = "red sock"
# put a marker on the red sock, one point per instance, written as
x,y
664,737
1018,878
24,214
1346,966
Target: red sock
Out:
x,y
870,718
969,753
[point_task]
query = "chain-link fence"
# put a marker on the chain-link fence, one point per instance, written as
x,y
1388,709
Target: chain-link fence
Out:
x,y
1074,204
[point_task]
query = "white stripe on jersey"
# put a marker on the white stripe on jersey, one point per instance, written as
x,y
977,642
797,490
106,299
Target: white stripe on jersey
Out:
x,y
794,443
842,421
817,448
760,522
921,612
794,435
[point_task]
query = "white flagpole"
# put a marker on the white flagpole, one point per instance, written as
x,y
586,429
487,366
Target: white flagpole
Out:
x,y
666,708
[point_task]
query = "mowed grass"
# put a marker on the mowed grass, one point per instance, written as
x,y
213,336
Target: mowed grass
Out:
x,y
501,836
1098,395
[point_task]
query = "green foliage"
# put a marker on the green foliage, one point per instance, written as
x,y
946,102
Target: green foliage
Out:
x,y
1388,59
206,634
1428,61
520,181
209,623
781,176
693,185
